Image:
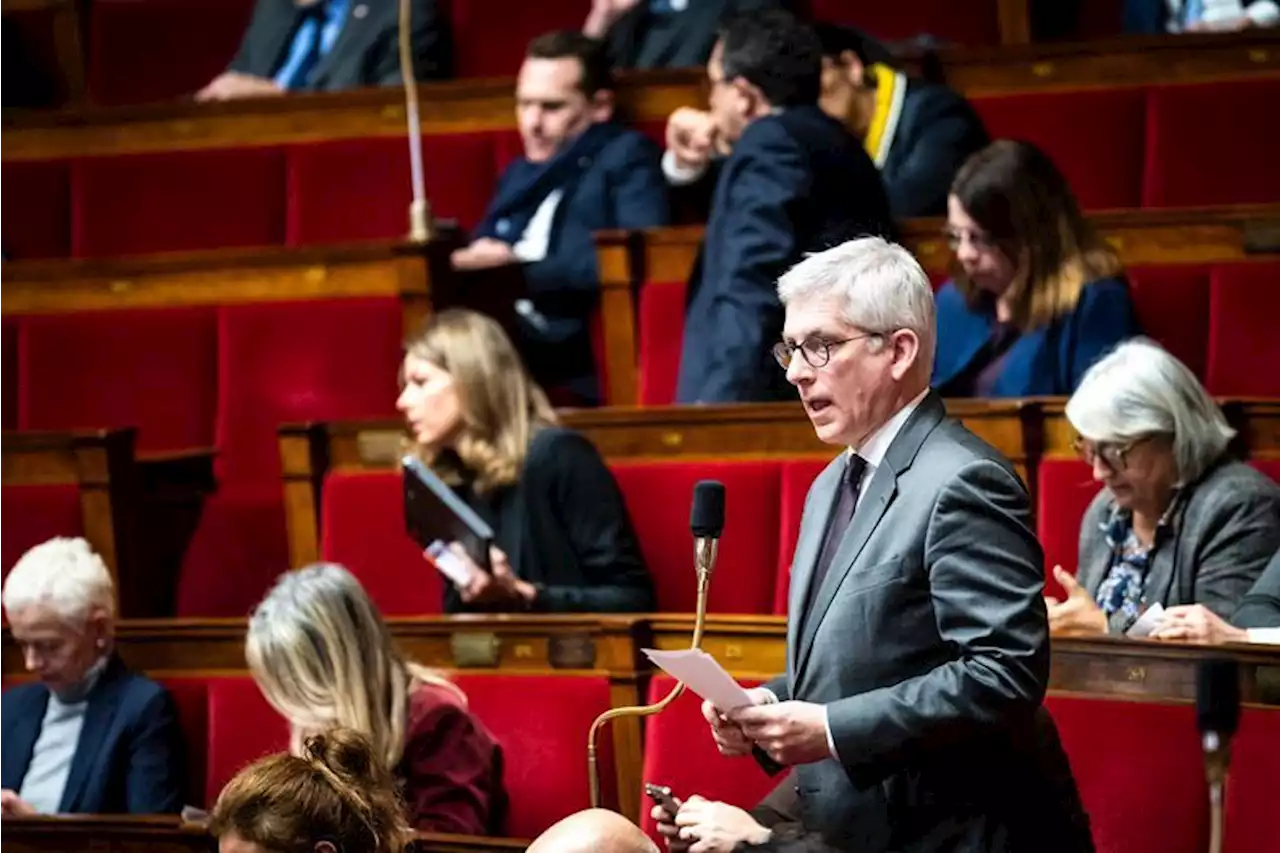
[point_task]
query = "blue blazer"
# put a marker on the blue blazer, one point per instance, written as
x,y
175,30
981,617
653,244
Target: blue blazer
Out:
x,y
130,758
1048,361
796,182
937,132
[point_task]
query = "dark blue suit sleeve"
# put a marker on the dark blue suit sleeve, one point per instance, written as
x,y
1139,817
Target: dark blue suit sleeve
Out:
x,y
951,131
1104,318
638,199
156,759
759,243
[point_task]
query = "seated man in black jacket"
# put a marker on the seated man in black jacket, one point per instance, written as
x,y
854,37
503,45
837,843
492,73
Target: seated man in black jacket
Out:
x,y
327,45
918,133
794,181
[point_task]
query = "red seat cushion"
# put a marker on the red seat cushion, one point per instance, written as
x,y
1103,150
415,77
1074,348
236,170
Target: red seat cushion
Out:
x,y
288,362
155,369
797,476
1244,349
1063,492
680,753
362,527
10,333
1094,136
1255,755
191,696
328,180
35,514
1212,143
485,47
656,492
238,549
1139,771
542,721
661,320
1173,309
37,209
177,201
1270,467
974,23
243,727
154,50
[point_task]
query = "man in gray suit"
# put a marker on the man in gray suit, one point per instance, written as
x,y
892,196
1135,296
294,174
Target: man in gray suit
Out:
x,y
917,643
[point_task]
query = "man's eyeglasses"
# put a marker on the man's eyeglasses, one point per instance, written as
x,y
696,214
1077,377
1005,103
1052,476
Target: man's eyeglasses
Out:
x,y
1113,454
815,351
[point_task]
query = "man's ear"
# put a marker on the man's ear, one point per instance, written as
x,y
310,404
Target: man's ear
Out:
x,y
854,68
325,847
751,99
906,351
601,107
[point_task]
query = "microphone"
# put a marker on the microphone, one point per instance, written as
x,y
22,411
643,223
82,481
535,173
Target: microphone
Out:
x,y
1217,716
420,225
706,523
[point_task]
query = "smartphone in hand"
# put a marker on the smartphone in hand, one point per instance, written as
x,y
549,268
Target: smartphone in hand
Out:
x,y
662,795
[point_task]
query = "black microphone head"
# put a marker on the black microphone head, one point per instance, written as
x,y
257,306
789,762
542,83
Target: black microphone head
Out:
x,y
1218,696
706,519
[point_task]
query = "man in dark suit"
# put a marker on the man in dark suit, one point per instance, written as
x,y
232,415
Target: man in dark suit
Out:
x,y
328,45
917,639
794,180
918,133
581,172
88,736
663,33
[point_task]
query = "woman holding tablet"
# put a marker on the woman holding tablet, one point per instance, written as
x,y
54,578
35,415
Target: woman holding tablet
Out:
x,y
563,541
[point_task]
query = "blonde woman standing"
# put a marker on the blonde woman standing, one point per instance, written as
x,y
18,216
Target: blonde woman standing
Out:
x,y
324,658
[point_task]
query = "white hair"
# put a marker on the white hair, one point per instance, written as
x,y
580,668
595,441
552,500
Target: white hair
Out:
x,y
1139,389
63,574
881,288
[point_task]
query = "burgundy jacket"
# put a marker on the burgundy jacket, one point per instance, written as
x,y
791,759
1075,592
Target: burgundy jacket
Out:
x,y
451,770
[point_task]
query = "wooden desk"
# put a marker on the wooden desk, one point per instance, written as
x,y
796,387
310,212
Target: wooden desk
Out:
x,y
164,834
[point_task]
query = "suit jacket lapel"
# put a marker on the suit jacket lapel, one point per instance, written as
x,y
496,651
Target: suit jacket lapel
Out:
x,y
21,733
353,28
98,715
808,547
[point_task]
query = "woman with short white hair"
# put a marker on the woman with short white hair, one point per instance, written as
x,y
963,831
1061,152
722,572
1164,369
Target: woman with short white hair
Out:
x,y
1179,521
88,735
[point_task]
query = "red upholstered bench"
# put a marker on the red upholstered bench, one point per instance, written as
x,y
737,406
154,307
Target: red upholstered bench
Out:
x,y
10,343
1139,769
34,514
1244,350
973,23
191,696
481,49
243,727
1251,787
1212,143
1270,467
1064,490
177,201
155,369
1173,309
797,476
661,334
680,753
658,496
37,209
1094,136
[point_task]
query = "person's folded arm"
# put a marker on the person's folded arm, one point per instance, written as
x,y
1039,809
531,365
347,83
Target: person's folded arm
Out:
x,y
985,572
451,784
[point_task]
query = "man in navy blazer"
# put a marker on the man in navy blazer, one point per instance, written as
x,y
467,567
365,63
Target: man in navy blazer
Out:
x,y
581,172
89,736
794,181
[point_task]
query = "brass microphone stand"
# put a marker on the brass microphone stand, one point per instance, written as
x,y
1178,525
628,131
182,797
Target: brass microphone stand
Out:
x,y
420,224
704,560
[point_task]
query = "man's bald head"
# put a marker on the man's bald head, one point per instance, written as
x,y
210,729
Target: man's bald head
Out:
x,y
593,831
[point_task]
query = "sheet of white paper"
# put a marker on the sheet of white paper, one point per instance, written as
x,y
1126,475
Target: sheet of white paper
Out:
x,y
1146,623
702,674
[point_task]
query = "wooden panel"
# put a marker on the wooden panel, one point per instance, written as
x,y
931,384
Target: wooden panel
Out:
x,y
474,105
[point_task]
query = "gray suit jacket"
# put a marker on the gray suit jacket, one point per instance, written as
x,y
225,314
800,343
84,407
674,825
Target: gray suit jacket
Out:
x,y
1225,530
928,644
1260,607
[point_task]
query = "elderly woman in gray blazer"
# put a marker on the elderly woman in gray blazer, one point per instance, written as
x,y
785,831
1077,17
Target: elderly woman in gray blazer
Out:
x,y
1179,521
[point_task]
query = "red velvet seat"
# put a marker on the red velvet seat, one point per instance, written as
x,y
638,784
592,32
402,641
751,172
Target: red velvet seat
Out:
x,y
155,50
658,496
191,696
37,209
1173,309
542,723
327,181
1140,774
10,333
34,514
797,476
1244,349
155,369
362,527
680,753
243,727
177,201
485,47
1212,143
1255,755
1064,490
1094,136
1270,467
661,333
974,23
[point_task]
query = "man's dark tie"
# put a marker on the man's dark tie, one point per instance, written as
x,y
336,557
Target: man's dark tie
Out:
x,y
841,516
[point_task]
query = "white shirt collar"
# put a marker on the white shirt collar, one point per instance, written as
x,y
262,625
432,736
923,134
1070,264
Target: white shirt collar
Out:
x,y
877,444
